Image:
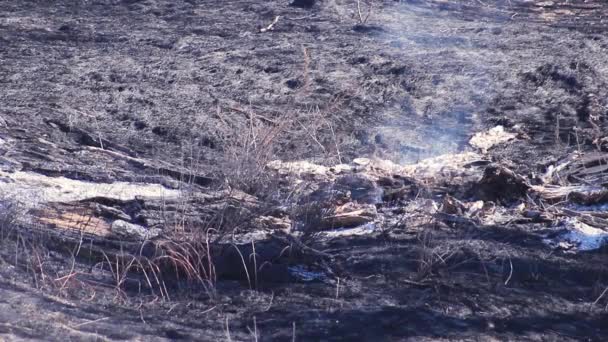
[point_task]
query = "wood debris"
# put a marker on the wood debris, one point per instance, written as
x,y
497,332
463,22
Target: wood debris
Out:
x,y
270,27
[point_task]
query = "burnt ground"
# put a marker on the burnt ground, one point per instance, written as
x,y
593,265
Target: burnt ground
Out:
x,y
197,92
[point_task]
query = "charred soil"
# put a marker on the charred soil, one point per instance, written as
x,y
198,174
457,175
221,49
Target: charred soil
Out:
x,y
268,170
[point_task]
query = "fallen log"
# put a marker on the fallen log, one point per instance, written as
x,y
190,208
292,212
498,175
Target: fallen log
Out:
x,y
252,257
581,194
588,168
587,218
162,168
88,139
350,215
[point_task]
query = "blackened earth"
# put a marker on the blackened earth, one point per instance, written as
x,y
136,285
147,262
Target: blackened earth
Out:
x,y
178,82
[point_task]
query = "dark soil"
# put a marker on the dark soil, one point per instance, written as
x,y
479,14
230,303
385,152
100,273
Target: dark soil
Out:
x,y
182,84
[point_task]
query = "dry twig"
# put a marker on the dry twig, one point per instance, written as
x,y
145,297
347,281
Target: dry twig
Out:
x,y
270,27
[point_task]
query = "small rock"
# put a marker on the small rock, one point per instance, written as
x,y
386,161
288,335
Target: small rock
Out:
x,y
362,161
498,182
128,230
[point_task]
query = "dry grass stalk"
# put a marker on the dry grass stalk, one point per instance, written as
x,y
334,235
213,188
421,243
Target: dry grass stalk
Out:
x,y
430,257
363,19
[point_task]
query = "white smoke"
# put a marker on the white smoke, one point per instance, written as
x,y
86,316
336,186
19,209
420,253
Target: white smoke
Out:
x,y
447,75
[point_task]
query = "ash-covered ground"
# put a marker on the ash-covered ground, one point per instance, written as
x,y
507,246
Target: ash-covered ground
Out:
x,y
254,170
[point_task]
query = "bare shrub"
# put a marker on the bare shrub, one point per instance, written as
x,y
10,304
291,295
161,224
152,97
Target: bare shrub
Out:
x,y
432,256
247,151
10,212
248,148
363,18
312,217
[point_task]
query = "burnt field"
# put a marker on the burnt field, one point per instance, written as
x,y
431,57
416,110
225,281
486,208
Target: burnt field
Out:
x,y
269,170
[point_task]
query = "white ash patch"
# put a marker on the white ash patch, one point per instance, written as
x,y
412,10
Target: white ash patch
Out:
x,y
128,230
494,136
365,229
61,189
302,273
578,236
246,238
442,165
